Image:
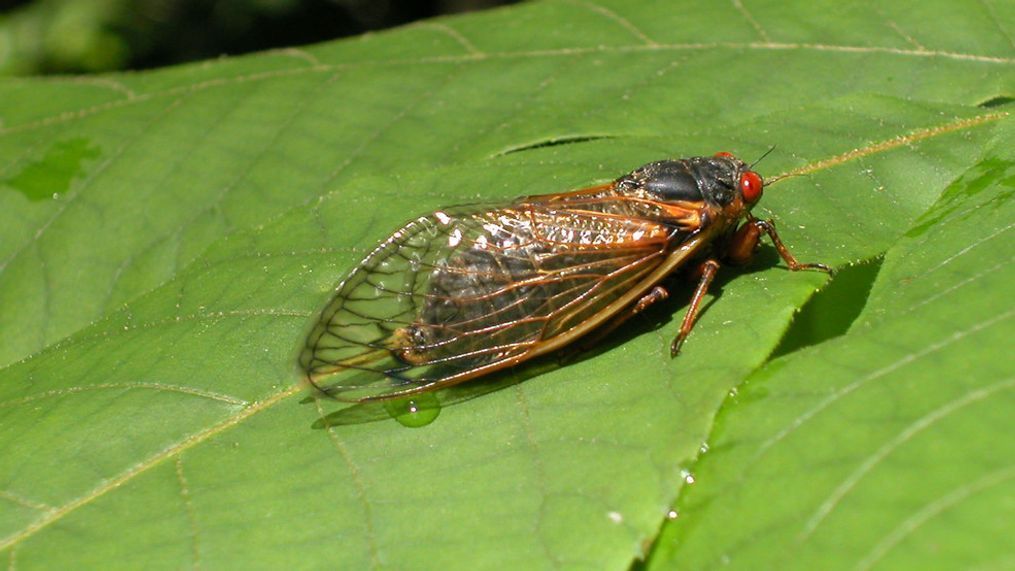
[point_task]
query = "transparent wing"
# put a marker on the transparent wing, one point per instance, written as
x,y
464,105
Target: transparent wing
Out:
x,y
462,292
609,199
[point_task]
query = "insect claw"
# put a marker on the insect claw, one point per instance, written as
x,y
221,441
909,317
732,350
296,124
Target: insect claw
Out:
x,y
815,266
675,345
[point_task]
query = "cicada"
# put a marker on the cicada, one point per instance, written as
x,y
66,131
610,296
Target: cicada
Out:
x,y
463,292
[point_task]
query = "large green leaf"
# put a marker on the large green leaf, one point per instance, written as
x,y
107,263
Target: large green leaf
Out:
x,y
884,447
168,237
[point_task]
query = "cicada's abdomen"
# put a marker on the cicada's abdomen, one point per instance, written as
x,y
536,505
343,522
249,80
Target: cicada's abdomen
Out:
x,y
508,286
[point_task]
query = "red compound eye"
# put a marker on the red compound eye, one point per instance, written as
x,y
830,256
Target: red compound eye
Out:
x,y
724,155
750,186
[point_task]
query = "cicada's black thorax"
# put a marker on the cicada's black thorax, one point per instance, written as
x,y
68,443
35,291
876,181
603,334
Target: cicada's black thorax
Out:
x,y
713,179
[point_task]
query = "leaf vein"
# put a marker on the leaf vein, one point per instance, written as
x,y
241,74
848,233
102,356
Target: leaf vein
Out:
x,y
887,369
455,59
537,462
932,510
193,391
215,315
617,18
966,250
25,502
971,279
188,507
894,142
469,47
178,448
751,20
361,489
923,423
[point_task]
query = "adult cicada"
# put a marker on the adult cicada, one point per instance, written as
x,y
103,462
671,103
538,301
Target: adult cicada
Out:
x,y
465,291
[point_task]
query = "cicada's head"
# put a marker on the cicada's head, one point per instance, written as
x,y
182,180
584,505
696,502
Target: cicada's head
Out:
x,y
721,181
733,179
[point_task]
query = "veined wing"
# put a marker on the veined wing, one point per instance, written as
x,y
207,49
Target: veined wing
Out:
x,y
462,292
610,199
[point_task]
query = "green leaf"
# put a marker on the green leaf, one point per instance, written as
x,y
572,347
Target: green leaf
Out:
x,y
168,237
883,447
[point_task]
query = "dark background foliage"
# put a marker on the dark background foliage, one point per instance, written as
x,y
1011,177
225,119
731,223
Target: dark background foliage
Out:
x,y
74,36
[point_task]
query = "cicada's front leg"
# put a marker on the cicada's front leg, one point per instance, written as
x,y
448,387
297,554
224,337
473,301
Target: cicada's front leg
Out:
x,y
707,271
738,250
744,244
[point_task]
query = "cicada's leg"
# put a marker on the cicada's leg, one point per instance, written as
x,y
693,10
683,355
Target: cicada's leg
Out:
x,y
740,248
744,243
707,270
655,295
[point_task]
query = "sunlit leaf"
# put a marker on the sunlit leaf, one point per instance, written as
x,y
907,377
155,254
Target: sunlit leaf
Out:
x,y
168,237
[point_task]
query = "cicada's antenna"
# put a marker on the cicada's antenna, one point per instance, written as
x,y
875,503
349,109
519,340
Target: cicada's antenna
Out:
x,y
768,152
774,179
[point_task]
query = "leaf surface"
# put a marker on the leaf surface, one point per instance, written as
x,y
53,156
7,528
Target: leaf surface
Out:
x,y
169,236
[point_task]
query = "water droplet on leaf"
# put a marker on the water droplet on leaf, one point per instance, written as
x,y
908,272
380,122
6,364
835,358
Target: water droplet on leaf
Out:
x,y
414,412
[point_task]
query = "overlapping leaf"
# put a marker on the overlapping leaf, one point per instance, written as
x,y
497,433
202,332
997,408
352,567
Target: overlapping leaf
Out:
x,y
881,448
